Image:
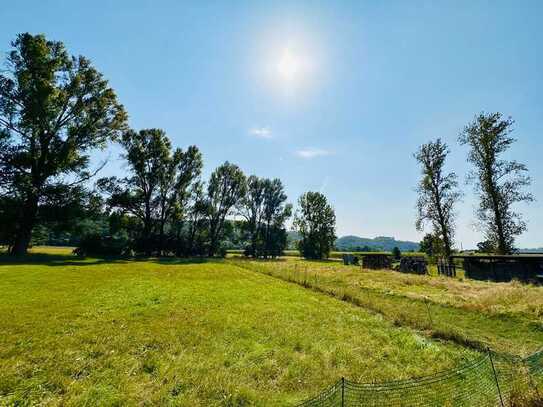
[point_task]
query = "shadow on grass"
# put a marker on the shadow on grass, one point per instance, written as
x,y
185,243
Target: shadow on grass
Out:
x,y
55,260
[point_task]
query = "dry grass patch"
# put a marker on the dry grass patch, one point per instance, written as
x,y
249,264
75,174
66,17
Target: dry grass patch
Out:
x,y
505,316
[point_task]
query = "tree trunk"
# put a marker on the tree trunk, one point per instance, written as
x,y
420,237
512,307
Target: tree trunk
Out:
x,y
254,240
161,239
212,240
25,225
446,242
502,245
267,243
211,251
215,232
147,231
192,236
441,219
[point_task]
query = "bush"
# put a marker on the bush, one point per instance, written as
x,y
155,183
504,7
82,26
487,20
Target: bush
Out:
x,y
221,251
97,245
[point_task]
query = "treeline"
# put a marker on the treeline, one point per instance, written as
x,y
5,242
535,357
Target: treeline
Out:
x,y
499,185
56,108
162,207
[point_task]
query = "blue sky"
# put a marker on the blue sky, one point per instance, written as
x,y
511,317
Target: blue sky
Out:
x,y
329,96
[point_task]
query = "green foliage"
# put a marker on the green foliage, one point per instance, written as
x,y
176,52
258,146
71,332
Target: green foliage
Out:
x,y
54,109
396,252
438,193
431,245
226,188
315,221
265,212
65,221
8,216
486,246
499,183
99,245
158,187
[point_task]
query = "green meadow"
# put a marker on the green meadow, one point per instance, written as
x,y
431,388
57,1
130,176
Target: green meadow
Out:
x,y
507,317
189,333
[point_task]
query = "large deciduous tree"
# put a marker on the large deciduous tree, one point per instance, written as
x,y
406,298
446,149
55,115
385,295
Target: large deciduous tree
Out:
x,y
276,212
225,190
54,108
265,211
438,193
315,221
196,211
499,183
252,210
158,183
175,185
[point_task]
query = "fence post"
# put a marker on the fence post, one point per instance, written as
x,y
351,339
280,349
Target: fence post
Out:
x,y
342,392
495,377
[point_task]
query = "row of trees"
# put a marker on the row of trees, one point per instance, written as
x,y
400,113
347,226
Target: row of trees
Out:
x,y
166,208
55,109
499,184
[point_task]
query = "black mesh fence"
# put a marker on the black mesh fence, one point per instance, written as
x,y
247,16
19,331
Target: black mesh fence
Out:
x,y
487,381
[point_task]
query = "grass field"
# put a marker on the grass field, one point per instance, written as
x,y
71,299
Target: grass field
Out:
x,y
106,332
505,316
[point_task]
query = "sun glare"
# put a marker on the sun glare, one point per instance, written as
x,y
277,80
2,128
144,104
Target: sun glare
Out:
x,y
288,66
289,63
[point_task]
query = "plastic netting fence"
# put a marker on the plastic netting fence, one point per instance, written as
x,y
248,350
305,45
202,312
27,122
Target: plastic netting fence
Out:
x,y
534,363
481,382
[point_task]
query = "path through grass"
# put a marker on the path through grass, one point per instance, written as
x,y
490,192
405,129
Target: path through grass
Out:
x,y
505,316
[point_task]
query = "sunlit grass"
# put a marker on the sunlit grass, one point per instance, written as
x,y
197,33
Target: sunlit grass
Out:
x,y
105,332
505,316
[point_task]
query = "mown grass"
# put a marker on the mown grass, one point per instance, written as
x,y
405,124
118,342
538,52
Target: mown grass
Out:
x,y
504,316
165,332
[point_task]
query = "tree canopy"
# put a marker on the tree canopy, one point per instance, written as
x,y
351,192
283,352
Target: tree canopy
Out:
x,y
265,211
315,220
157,186
438,193
499,183
226,189
54,109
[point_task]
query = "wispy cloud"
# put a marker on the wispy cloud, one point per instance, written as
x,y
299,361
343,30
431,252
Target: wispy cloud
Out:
x,y
309,153
261,132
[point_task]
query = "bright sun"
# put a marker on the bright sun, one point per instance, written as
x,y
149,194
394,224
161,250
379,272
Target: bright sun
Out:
x,y
288,66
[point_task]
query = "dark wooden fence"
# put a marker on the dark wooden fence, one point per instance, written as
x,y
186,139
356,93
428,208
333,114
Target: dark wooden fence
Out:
x,y
524,268
446,268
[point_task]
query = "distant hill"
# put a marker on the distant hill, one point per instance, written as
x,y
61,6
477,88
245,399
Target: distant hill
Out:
x,y
384,243
537,250
356,243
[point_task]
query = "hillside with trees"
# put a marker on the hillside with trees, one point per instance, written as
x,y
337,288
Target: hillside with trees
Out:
x,y
379,243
